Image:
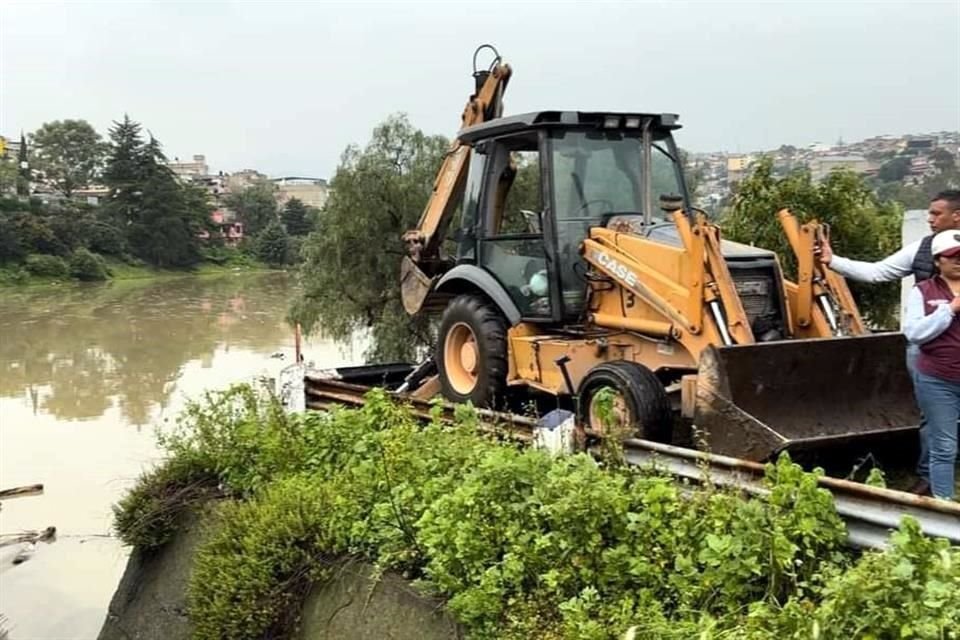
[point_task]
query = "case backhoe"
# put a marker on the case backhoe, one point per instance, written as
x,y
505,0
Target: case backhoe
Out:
x,y
602,274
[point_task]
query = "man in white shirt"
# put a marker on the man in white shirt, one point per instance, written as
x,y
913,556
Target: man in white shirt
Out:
x,y
915,259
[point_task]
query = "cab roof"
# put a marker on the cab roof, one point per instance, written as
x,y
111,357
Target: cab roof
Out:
x,y
565,119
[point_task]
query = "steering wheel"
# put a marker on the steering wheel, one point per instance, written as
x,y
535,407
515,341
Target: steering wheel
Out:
x,y
586,205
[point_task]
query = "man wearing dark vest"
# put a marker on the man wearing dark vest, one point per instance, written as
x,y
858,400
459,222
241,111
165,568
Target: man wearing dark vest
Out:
x,y
932,321
915,259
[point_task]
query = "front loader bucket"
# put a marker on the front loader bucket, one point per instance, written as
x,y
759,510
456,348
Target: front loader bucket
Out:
x,y
756,400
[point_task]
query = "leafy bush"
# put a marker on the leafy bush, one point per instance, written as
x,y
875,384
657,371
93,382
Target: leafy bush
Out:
x,y
146,517
253,573
47,266
86,265
272,245
521,544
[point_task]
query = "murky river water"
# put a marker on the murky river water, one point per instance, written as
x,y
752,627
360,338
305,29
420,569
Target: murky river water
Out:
x,y
86,375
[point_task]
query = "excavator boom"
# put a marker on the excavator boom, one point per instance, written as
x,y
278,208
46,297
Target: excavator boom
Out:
x,y
424,261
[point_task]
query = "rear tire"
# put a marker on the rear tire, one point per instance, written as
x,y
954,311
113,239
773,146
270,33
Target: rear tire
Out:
x,y
639,395
471,352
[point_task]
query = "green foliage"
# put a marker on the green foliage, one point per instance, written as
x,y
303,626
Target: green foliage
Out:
x,y
863,228
68,152
272,245
521,544
47,266
250,578
162,218
351,270
11,245
9,175
86,265
894,170
227,256
147,516
256,206
298,218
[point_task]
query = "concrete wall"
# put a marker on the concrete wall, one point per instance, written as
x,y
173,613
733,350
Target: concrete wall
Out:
x,y
356,603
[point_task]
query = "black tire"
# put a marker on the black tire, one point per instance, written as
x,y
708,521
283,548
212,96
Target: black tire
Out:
x,y
643,393
489,328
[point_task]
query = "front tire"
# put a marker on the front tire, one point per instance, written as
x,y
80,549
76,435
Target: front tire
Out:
x,y
640,400
471,352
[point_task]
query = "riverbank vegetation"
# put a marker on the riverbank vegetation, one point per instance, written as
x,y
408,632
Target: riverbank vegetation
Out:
x,y
81,208
519,544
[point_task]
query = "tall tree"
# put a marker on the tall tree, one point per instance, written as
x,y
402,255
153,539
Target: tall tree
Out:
x,y
68,152
272,245
862,227
296,218
256,206
351,269
162,219
170,217
24,174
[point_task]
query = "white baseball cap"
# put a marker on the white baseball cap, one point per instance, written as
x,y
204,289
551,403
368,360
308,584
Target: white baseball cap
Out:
x,y
946,243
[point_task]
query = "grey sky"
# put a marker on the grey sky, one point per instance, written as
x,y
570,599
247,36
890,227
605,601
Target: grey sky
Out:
x,y
283,87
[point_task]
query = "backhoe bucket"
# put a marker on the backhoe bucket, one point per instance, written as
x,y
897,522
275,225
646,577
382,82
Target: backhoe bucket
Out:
x,y
756,400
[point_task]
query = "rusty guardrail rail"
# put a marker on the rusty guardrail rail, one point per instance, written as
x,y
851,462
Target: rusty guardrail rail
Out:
x,y
870,513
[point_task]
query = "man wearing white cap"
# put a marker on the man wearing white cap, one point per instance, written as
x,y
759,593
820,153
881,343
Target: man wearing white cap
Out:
x,y
915,259
932,321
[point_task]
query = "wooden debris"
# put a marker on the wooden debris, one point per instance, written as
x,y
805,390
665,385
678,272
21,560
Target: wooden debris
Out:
x,y
21,492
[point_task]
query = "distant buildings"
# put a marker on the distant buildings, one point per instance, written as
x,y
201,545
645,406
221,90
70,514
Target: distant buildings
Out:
x,y
196,169
310,191
821,166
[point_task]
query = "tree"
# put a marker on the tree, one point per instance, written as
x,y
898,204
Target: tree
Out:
x,y
272,245
894,170
9,178
944,161
351,270
256,206
862,227
68,152
24,174
162,218
123,172
297,218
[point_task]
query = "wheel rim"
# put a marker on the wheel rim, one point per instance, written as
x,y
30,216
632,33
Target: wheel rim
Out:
x,y
461,358
621,414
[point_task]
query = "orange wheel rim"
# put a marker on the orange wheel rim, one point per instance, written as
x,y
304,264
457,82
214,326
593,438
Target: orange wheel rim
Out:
x,y
461,358
620,417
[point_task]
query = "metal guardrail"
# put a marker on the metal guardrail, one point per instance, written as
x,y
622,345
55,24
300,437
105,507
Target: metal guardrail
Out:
x,y
870,513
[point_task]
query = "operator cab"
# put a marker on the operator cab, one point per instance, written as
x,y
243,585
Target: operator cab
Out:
x,y
539,181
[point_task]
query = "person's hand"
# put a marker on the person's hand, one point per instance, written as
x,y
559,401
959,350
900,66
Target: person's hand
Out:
x,y
825,251
955,304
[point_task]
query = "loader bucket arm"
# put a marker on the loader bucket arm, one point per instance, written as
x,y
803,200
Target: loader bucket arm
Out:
x,y
422,264
822,304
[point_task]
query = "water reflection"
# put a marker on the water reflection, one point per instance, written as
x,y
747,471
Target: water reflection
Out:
x,y
77,353
80,368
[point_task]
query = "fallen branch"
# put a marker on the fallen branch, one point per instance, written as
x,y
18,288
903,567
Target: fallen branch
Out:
x,y
21,492
47,535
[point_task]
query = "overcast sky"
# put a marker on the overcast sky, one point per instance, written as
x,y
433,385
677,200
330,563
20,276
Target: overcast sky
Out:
x,y
283,87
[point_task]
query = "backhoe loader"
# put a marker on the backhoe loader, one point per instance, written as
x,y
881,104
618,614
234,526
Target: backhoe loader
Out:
x,y
605,276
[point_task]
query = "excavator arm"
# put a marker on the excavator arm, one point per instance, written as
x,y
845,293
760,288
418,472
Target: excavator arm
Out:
x,y
424,261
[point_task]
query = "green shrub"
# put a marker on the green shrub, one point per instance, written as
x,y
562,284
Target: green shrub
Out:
x,y
86,265
250,578
146,517
520,544
47,266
